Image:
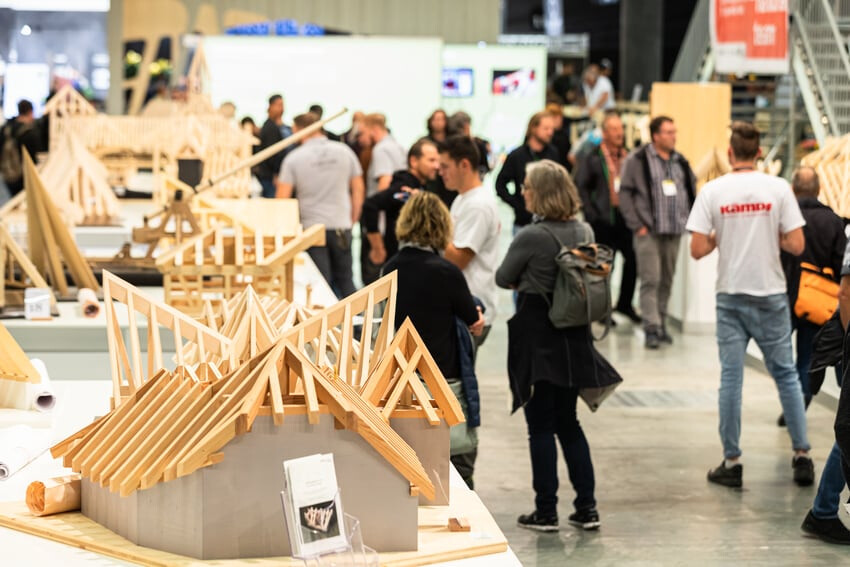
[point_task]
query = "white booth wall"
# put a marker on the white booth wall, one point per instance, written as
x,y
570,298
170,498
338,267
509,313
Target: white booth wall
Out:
x,y
501,119
399,77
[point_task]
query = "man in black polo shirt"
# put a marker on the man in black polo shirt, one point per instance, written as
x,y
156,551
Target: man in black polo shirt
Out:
x,y
537,146
423,163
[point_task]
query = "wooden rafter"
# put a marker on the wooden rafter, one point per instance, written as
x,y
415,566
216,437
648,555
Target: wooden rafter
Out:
x,y
355,359
67,102
51,245
126,360
397,378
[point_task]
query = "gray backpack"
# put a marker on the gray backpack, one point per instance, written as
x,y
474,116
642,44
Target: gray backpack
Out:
x,y
582,291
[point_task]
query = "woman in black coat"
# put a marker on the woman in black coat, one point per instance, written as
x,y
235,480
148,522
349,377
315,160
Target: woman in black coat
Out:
x,y
548,366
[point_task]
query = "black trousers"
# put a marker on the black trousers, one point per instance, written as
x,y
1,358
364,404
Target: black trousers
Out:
x,y
334,261
551,413
619,237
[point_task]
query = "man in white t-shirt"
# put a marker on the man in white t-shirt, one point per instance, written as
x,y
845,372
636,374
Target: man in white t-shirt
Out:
x,y
598,91
749,217
475,245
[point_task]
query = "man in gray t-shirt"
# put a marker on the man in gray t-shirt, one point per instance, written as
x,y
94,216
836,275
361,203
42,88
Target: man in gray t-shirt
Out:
x,y
327,179
388,156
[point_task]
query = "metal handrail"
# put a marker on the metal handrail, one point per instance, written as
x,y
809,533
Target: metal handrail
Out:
x,y
815,24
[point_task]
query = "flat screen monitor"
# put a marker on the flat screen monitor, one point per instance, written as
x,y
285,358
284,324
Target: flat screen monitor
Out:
x,y
457,82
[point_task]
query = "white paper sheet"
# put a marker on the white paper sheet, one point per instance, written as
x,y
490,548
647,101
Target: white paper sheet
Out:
x,y
19,446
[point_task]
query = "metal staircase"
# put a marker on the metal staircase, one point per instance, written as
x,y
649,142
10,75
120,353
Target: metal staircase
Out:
x,y
820,64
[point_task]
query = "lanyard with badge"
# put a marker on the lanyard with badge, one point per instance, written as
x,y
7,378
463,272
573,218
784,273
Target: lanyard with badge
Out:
x,y
668,185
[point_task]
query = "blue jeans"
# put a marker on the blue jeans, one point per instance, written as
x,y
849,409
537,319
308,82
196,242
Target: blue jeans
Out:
x,y
334,261
768,321
829,490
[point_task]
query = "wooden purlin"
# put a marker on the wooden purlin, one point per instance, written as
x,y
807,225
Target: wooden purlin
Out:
x,y
397,377
19,272
126,360
171,427
15,365
51,245
356,359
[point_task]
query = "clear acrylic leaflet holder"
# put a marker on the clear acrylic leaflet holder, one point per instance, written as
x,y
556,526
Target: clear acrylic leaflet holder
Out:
x,y
354,554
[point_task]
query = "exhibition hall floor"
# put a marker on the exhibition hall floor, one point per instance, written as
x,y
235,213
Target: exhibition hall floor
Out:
x,y
652,444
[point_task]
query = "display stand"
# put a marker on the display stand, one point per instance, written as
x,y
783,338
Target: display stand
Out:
x,y
354,554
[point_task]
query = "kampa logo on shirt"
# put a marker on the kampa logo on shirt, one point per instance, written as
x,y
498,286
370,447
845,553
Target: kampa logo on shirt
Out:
x,y
745,208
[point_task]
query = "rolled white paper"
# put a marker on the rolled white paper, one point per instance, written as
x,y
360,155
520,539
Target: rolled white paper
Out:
x,y
40,397
19,446
89,306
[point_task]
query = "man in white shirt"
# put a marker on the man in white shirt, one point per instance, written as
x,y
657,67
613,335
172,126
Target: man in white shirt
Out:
x,y
328,182
475,245
598,91
748,217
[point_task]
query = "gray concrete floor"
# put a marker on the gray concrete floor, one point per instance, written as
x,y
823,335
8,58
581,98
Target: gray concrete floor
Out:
x,y
652,444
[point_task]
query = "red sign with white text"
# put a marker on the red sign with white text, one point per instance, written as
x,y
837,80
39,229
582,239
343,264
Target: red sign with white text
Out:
x,y
750,36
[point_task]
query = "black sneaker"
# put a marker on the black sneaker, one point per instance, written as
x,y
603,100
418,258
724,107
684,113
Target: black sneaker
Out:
x,y
831,531
585,519
652,340
727,476
781,420
804,471
665,337
535,521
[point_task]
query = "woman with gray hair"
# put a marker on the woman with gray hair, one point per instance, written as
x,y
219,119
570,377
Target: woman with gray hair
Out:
x,y
547,366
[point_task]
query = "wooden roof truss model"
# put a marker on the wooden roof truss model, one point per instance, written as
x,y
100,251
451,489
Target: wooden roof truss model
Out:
x,y
65,103
19,272
832,163
222,261
51,246
15,365
170,424
129,367
79,184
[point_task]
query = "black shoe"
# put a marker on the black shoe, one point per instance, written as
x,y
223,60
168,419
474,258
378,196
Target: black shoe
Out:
x,y
781,421
831,531
727,476
652,340
629,312
804,471
665,337
585,519
535,521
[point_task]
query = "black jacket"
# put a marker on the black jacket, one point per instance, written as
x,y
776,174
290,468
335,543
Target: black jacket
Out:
x,y
825,242
592,182
513,171
269,135
391,202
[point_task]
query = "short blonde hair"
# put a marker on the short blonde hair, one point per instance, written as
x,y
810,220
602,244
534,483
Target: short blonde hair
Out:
x,y
553,194
375,119
424,220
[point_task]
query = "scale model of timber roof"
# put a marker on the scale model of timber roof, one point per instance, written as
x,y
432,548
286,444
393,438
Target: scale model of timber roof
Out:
x,y
171,424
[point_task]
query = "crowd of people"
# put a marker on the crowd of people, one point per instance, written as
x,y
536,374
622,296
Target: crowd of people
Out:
x,y
427,214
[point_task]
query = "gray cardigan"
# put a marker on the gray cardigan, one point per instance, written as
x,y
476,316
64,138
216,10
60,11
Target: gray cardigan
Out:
x,y
529,264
